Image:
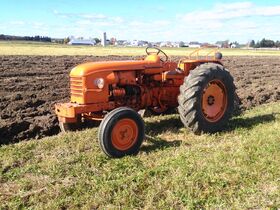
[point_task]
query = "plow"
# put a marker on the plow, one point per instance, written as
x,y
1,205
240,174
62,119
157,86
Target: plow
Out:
x,y
110,94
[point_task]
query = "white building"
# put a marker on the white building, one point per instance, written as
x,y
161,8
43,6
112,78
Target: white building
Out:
x,y
121,42
194,45
82,42
140,43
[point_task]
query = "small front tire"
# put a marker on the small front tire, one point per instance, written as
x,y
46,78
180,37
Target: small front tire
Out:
x,y
121,132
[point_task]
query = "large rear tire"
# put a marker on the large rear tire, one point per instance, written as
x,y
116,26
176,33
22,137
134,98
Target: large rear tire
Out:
x,y
121,132
206,99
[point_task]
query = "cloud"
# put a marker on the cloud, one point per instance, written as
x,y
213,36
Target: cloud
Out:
x,y
238,21
85,21
230,11
89,17
17,23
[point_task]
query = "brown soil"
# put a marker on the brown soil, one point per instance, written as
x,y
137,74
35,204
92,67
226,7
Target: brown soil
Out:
x,y
31,85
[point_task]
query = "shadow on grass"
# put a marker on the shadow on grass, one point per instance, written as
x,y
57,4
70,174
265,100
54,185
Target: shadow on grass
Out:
x,y
249,122
173,124
158,144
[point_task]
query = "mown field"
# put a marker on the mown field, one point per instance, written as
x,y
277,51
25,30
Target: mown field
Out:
x,y
235,169
33,48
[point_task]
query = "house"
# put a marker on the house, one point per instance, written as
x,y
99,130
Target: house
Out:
x,y
82,42
120,42
135,43
140,43
194,45
165,44
172,44
222,44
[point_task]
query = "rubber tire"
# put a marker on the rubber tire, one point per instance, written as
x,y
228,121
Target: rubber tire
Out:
x,y
107,125
189,99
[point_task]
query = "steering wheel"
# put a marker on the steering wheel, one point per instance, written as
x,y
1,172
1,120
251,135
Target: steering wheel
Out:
x,y
158,51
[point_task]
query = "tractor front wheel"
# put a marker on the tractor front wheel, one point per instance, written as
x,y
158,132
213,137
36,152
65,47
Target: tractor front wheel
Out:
x,y
121,132
206,99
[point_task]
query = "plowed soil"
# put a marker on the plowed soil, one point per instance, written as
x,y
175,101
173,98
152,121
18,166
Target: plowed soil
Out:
x,y
31,85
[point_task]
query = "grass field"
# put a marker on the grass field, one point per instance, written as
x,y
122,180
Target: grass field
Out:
x,y
235,169
33,48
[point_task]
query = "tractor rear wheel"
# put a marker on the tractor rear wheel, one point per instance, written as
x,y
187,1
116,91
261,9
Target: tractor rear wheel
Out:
x,y
121,132
206,99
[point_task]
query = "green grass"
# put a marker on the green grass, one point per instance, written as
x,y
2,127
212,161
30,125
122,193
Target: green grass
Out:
x,y
235,169
33,48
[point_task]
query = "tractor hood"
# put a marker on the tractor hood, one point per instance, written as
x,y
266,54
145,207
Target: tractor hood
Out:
x,y
85,69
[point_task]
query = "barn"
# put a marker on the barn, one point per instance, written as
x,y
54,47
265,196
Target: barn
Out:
x,y
82,42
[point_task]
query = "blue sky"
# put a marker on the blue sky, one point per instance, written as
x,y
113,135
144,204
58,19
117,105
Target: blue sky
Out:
x,y
204,20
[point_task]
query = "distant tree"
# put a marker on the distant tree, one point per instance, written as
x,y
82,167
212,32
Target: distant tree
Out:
x,y
97,40
2,37
258,45
277,44
234,44
267,43
26,38
36,38
66,40
252,43
181,44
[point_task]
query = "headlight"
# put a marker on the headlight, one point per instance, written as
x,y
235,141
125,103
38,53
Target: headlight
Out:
x,y
99,82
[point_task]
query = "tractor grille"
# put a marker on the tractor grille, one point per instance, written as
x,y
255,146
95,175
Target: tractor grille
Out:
x,y
76,86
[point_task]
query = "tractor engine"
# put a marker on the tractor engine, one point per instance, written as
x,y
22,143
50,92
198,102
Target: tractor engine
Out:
x,y
137,90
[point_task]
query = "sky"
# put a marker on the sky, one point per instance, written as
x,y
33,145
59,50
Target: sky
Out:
x,y
151,20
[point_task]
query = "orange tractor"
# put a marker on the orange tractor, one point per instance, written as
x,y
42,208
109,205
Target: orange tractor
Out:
x,y
113,92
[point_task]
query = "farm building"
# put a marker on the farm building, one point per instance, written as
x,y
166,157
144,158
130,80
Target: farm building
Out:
x,y
194,44
121,42
139,43
82,42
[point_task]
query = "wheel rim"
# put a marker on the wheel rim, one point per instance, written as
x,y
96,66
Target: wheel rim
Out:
x,y
124,134
214,101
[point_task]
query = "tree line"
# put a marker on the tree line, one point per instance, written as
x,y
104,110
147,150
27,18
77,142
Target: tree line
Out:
x,y
265,43
25,38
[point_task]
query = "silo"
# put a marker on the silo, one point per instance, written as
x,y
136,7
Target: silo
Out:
x,y
104,39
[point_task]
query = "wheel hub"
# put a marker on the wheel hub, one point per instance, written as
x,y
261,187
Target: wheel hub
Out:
x,y
124,134
214,101
211,100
